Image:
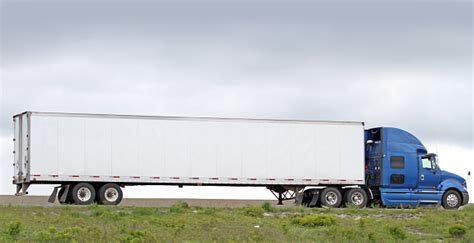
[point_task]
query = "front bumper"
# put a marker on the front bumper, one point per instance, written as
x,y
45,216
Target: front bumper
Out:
x,y
465,198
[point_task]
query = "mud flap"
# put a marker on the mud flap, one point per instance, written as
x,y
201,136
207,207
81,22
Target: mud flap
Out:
x,y
299,199
52,197
314,199
64,196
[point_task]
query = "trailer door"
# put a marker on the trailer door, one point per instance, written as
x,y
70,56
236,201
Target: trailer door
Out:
x,y
24,155
17,148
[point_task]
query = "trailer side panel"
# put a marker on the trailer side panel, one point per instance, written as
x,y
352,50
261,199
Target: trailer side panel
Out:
x,y
195,150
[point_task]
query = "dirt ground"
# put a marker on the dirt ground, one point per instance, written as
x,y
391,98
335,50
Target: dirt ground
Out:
x,y
155,202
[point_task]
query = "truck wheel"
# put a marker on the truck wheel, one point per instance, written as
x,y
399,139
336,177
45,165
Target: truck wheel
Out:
x,y
356,197
331,197
110,194
451,199
83,194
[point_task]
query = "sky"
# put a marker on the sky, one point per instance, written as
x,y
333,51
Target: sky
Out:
x,y
405,64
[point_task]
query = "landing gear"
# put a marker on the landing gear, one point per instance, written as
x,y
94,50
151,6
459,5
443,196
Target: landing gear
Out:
x,y
284,193
280,198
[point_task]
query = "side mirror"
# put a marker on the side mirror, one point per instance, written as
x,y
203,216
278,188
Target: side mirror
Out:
x,y
469,173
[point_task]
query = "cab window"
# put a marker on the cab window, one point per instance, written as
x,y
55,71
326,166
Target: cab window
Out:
x,y
397,162
426,163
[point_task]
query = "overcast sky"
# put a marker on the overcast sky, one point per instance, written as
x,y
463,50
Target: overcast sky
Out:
x,y
404,64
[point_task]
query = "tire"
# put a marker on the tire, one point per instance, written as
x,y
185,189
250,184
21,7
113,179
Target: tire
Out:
x,y
331,197
356,197
82,194
451,199
109,194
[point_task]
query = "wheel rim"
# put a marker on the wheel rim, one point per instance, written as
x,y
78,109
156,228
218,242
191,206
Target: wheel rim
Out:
x,y
357,198
331,198
84,194
452,200
111,194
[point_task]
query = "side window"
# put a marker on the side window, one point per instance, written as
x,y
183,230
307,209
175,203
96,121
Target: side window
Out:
x,y
397,179
397,162
425,163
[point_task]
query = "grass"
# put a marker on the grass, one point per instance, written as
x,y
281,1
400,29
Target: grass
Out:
x,y
267,223
314,220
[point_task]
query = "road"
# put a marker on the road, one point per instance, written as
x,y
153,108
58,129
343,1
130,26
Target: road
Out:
x,y
157,202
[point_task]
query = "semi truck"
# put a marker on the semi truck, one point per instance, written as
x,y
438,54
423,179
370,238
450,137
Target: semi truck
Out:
x,y
91,157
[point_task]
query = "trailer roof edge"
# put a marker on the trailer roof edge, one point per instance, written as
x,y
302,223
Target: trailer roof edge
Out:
x,y
205,118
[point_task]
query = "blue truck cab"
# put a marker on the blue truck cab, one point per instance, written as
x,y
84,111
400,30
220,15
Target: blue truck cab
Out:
x,y
401,173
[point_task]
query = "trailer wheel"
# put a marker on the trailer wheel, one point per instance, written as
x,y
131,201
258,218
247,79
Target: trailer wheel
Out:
x,y
451,199
110,194
331,197
356,197
83,194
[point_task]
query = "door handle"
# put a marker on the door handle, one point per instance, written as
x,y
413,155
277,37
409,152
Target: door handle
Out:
x,y
422,177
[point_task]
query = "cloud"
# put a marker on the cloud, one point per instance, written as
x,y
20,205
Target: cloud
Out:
x,y
419,101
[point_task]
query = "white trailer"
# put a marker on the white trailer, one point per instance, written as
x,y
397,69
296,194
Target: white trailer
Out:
x,y
92,155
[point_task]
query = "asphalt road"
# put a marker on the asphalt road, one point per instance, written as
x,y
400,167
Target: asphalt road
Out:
x,y
156,202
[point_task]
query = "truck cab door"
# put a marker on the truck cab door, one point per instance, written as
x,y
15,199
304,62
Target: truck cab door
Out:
x,y
429,177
